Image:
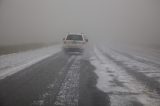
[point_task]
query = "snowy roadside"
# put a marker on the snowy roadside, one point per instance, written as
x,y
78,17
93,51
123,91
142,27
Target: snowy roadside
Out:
x,y
146,54
12,63
149,70
122,88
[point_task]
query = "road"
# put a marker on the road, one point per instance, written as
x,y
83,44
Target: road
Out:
x,y
99,77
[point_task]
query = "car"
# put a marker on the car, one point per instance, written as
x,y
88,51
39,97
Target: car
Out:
x,y
74,43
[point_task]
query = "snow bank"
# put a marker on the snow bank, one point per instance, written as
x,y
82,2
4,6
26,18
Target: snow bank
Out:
x,y
12,63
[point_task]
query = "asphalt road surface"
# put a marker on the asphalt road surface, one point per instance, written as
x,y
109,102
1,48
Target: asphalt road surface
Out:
x,y
96,78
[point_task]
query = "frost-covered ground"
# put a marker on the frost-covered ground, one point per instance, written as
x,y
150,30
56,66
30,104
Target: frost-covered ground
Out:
x,y
12,63
122,88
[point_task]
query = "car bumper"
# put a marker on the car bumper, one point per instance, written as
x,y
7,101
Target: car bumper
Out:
x,y
73,49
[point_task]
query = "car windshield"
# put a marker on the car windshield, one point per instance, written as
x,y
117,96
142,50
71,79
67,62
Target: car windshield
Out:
x,y
74,37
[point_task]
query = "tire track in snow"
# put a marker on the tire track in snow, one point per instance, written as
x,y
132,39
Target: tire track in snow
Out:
x,y
152,69
69,91
121,87
137,69
139,59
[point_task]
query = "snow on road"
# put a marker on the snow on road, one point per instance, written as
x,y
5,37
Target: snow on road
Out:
x,y
149,70
69,91
122,88
12,63
51,88
146,54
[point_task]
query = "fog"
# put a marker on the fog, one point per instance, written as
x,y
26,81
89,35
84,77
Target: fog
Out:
x,y
27,21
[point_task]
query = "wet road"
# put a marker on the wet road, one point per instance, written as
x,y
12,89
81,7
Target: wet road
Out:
x,y
99,77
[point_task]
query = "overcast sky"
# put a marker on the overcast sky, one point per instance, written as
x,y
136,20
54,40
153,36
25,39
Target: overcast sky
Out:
x,y
49,20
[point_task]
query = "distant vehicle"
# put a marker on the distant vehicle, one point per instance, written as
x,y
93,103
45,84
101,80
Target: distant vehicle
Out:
x,y
74,43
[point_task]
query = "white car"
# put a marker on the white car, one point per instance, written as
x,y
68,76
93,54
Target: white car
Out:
x,y
74,42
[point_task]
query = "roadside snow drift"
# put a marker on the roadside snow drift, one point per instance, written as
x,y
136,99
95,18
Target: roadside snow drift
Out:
x,y
12,63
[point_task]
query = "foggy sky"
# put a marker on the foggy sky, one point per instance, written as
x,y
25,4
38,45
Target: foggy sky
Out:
x,y
23,21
